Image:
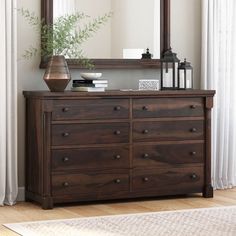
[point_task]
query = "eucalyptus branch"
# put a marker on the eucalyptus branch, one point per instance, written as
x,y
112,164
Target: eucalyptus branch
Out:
x,y
64,36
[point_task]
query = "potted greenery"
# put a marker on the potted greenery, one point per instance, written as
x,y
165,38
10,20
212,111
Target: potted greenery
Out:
x,y
63,38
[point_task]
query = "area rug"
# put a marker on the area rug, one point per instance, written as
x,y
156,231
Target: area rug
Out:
x,y
219,221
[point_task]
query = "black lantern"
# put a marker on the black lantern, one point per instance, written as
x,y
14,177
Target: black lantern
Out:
x,y
169,70
185,75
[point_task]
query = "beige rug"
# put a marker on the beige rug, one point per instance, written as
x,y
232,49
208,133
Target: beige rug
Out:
x,y
208,222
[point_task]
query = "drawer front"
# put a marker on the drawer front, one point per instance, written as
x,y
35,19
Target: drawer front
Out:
x,y
181,180
90,183
167,155
168,130
167,107
90,109
82,134
84,158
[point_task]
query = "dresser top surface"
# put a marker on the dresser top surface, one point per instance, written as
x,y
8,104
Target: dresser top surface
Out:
x,y
119,93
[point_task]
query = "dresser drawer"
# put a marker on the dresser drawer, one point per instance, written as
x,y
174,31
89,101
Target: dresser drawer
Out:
x,y
86,158
167,107
179,180
82,134
90,109
168,130
90,183
167,155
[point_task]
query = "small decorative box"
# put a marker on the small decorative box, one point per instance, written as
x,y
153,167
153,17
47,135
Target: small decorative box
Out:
x,y
149,84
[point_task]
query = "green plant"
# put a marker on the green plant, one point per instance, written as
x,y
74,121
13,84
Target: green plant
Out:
x,y
64,36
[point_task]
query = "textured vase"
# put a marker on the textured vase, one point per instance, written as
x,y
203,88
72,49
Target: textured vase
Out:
x,y
57,74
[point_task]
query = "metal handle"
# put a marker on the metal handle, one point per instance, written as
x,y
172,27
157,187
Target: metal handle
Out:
x,y
193,106
65,184
145,155
65,109
65,134
145,179
117,132
145,108
193,153
193,130
193,176
117,108
65,159
117,157
145,131
117,181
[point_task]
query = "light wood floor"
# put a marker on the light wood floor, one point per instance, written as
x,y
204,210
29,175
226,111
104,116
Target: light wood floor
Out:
x,y
32,212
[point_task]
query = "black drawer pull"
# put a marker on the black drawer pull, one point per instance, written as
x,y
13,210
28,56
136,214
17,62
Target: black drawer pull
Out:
x,y
193,153
145,131
145,179
65,159
145,108
193,130
65,134
117,108
117,132
66,184
117,157
193,176
193,106
145,155
65,109
117,181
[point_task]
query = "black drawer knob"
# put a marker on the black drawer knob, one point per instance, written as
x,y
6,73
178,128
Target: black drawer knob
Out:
x,y
193,106
65,184
117,157
65,134
193,176
145,108
65,159
145,131
145,179
117,108
117,181
117,132
193,153
145,155
193,130
65,109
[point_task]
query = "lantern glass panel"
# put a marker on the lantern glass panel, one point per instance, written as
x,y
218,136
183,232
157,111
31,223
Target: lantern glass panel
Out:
x,y
181,78
167,73
189,79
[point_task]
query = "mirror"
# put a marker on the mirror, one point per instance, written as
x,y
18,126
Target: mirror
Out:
x,y
134,26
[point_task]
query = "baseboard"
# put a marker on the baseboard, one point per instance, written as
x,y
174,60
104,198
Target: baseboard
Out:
x,y
21,194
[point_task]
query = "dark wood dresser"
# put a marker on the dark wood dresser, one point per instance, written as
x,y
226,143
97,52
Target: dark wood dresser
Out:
x,y
114,145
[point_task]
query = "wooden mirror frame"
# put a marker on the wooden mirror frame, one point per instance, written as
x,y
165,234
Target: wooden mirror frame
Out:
x,y
47,14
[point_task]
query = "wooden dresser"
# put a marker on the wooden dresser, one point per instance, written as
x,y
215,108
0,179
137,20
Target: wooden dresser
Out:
x,y
114,145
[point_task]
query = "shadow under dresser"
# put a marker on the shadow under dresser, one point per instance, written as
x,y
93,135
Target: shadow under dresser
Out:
x,y
84,146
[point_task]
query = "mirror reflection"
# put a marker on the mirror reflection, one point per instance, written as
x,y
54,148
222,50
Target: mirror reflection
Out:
x,y
134,26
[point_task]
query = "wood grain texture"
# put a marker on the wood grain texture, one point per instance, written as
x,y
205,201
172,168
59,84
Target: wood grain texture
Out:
x,y
23,211
166,107
101,146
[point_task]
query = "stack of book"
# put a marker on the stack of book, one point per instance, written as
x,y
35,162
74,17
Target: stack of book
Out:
x,y
95,85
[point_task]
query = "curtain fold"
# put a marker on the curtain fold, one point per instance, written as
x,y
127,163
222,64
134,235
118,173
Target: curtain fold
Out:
x,y
8,103
219,73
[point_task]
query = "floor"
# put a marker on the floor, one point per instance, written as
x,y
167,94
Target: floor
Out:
x,y
32,212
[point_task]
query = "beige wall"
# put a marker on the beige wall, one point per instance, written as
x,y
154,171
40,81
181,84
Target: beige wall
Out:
x,y
185,34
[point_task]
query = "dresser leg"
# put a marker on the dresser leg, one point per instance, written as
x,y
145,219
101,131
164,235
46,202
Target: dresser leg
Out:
x,y
47,203
208,191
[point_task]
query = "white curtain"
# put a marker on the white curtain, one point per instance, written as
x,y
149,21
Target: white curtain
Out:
x,y
8,103
219,73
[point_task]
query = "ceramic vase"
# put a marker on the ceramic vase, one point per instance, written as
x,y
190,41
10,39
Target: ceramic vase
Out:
x,y
57,75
